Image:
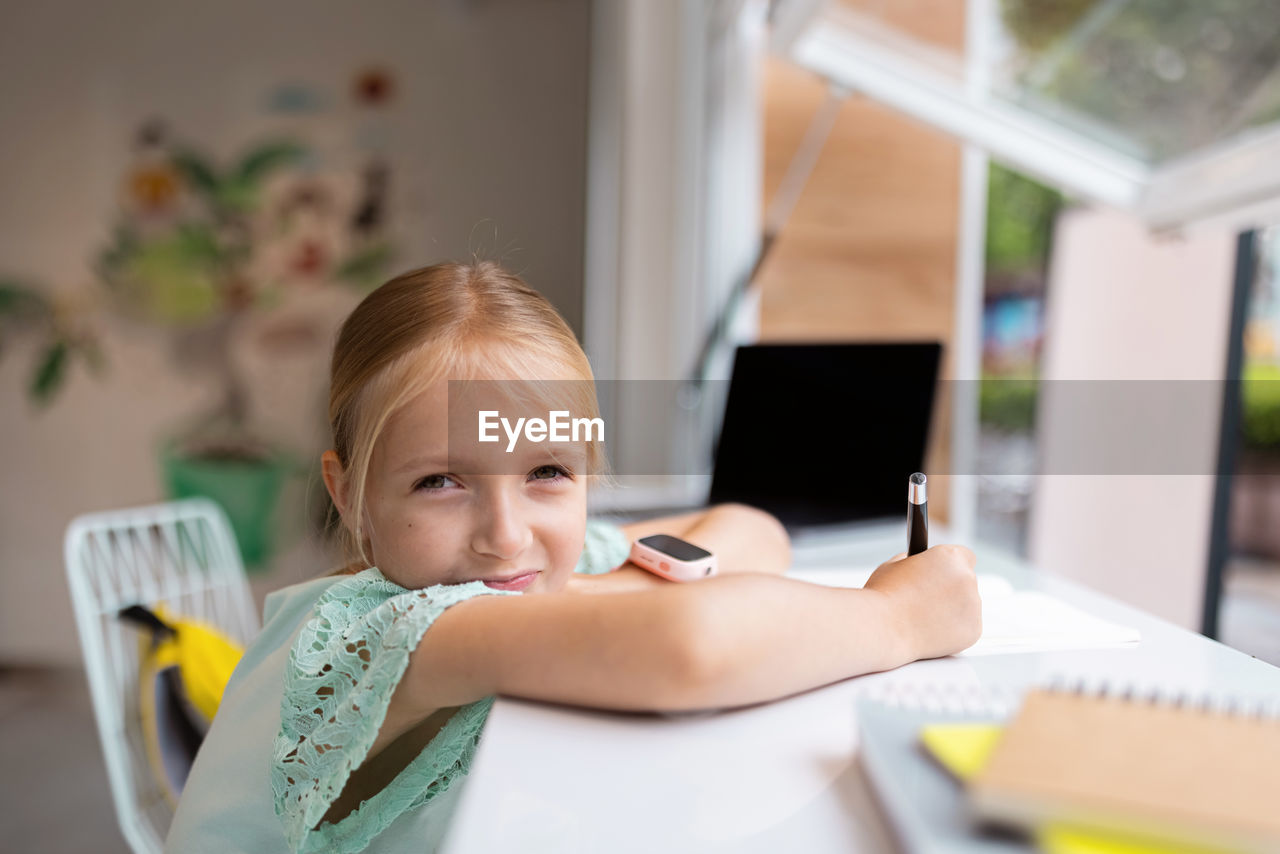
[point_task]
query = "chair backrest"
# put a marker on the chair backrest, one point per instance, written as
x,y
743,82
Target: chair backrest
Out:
x,y
182,555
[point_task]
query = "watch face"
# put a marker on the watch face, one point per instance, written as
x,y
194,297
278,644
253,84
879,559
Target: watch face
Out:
x,y
674,547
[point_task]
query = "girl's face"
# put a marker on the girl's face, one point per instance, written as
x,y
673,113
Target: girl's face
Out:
x,y
433,523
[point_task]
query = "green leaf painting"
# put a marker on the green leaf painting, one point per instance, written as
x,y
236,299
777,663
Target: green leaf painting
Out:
x,y
49,371
365,267
171,279
265,159
21,305
197,171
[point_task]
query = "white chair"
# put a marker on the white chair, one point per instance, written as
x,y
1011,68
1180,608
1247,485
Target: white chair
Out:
x,y
181,554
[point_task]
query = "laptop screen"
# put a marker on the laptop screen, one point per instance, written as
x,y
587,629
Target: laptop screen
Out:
x,y
825,433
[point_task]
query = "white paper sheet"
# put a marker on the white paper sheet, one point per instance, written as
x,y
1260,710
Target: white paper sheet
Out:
x,y
1012,620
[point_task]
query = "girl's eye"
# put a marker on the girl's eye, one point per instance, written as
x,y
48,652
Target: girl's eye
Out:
x,y
548,472
434,481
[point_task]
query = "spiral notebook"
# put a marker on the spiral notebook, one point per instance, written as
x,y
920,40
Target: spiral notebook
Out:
x,y
1120,771
1193,773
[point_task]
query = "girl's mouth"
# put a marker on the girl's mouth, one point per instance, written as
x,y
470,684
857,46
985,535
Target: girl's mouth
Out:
x,y
517,582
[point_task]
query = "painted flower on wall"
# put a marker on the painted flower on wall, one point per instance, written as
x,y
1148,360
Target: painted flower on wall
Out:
x,y
197,243
201,247
248,262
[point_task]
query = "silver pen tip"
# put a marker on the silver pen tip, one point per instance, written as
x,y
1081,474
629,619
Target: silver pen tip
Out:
x,y
917,489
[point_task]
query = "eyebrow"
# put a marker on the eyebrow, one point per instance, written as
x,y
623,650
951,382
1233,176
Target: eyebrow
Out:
x,y
422,463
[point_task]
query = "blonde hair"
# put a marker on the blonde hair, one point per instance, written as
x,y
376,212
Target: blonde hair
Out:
x,y
445,321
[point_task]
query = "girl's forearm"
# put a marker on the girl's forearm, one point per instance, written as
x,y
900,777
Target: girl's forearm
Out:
x,y
722,642
744,539
763,638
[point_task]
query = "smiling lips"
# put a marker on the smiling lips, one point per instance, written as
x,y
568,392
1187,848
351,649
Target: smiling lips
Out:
x,y
514,582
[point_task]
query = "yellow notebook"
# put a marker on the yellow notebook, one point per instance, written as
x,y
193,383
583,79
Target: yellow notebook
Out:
x,y
1187,777
964,748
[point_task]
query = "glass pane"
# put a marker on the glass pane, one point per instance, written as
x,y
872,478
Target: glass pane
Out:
x,y
1152,78
1249,613
1020,220
937,25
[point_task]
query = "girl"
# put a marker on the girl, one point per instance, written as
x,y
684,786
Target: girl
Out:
x,y
352,717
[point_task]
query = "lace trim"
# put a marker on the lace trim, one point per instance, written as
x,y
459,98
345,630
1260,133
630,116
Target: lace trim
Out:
x,y
431,773
342,672
606,548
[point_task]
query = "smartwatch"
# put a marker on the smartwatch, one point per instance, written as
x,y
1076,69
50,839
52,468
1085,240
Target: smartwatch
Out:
x,y
672,558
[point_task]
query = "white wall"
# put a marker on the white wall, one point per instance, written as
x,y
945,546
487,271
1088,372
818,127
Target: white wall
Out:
x,y
1124,305
492,110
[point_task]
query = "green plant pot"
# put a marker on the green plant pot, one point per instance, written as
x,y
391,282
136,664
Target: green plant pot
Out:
x,y
246,488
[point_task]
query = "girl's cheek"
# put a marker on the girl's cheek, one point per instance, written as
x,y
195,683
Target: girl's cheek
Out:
x,y
425,534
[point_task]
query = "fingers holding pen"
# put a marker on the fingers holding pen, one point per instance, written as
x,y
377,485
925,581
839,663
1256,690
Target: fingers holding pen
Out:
x,y
944,555
954,553
935,594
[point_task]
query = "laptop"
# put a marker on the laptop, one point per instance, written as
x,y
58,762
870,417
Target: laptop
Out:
x,y
824,436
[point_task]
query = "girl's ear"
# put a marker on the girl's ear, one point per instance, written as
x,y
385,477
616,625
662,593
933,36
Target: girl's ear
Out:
x,y
335,480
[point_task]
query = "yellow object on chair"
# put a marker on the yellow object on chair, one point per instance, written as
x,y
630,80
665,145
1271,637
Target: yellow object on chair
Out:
x,y
184,667
205,659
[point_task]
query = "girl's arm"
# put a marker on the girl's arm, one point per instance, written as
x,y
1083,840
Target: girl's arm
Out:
x,y
725,641
744,540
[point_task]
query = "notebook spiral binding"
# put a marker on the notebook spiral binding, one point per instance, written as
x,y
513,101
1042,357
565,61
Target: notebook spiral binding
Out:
x,y
1263,707
1002,702
947,698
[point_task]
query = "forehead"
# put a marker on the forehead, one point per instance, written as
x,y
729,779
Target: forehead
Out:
x,y
443,404
423,416
441,425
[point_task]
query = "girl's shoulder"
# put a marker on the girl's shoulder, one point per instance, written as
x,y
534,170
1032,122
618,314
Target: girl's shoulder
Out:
x,y
362,586
343,668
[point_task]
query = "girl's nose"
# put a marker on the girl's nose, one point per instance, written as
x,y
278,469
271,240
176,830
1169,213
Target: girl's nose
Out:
x,y
501,531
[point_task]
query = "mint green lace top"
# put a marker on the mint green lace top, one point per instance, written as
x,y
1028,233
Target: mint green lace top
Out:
x,y
331,669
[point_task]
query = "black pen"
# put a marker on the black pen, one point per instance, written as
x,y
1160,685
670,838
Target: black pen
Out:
x,y
917,514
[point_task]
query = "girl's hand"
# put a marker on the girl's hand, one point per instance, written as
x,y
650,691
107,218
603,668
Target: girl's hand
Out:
x,y
934,599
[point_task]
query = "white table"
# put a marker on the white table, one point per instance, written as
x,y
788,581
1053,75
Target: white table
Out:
x,y
780,776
